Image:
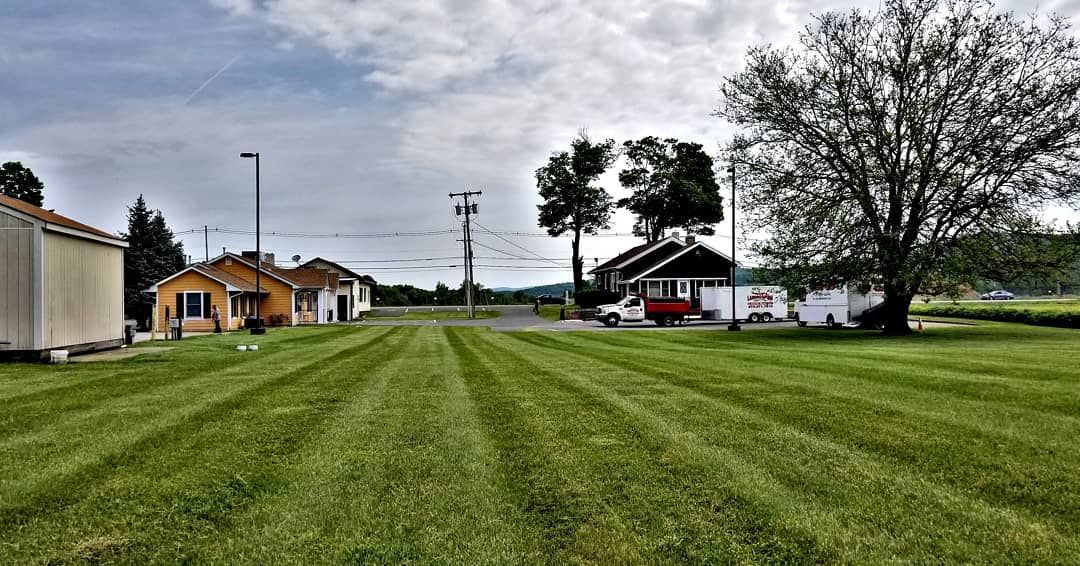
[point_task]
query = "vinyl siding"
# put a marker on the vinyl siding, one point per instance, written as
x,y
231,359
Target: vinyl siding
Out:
x,y
16,283
279,295
83,291
191,282
359,306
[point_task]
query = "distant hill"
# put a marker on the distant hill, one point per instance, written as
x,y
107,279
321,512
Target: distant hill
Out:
x,y
553,289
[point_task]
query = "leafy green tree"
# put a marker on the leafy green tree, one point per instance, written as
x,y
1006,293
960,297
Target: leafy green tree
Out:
x,y
20,182
880,145
572,203
674,186
151,256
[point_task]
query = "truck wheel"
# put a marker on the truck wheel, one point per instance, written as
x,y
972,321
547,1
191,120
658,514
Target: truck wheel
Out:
x,y
611,321
754,317
767,317
669,320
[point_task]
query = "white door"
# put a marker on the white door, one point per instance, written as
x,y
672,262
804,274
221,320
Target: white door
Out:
x,y
684,289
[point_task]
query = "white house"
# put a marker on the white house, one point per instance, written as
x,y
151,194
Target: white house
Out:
x,y
354,290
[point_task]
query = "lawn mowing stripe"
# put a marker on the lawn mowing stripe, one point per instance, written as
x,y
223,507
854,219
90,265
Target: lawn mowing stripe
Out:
x,y
995,467
1060,398
52,381
61,487
70,436
134,385
596,483
1055,362
890,385
402,474
870,492
183,486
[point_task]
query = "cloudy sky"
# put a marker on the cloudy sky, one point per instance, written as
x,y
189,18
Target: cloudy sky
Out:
x,y
366,113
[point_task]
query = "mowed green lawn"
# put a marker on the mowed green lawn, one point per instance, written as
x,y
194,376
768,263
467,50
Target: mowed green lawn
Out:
x,y
461,445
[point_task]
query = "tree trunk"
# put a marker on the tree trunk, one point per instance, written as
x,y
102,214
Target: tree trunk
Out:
x,y
577,261
895,317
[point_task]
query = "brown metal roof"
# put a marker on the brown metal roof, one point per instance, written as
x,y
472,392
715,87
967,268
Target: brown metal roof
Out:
x,y
53,218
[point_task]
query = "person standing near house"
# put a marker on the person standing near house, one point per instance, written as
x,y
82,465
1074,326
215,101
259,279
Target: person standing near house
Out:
x,y
216,316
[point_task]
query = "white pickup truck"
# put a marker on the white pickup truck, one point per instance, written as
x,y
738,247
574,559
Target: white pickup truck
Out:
x,y
664,311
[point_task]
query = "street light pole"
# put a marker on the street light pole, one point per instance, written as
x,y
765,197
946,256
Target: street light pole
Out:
x,y
734,326
258,328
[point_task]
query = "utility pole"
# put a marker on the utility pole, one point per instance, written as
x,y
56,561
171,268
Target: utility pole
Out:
x,y
469,209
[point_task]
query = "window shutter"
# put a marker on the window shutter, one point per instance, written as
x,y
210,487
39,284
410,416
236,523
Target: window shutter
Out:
x,y
206,313
180,307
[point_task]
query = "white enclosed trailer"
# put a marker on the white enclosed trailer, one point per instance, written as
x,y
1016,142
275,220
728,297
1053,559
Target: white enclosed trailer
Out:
x,y
837,306
754,303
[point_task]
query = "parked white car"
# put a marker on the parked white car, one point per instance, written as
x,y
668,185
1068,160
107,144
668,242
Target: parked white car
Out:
x,y
999,295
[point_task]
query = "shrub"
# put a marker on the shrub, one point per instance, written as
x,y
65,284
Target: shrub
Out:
x,y
1024,316
591,298
277,319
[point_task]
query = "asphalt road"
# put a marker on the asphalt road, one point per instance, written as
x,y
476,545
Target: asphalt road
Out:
x,y
521,317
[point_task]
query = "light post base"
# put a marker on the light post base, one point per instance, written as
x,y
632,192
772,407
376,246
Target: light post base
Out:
x,y
734,327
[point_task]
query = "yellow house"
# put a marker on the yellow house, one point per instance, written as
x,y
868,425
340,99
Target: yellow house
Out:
x,y
61,283
287,297
192,293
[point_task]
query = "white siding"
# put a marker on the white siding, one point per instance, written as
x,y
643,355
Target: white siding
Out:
x,y
16,283
84,291
363,306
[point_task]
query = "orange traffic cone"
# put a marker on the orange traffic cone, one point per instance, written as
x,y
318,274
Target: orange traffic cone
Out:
x,y
920,328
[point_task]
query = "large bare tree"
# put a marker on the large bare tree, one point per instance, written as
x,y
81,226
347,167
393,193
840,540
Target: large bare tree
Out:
x,y
884,143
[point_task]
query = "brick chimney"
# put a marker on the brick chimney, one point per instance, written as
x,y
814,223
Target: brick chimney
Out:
x,y
691,239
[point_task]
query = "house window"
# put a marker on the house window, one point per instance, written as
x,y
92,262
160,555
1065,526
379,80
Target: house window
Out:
x,y
193,305
228,261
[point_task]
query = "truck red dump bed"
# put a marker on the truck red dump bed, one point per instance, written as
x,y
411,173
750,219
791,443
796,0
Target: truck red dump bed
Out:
x,y
667,305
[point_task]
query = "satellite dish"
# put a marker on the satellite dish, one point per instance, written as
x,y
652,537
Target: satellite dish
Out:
x,y
296,258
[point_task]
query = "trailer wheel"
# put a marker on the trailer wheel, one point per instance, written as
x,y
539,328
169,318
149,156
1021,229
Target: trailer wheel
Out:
x,y
669,320
611,321
801,323
830,321
754,317
767,317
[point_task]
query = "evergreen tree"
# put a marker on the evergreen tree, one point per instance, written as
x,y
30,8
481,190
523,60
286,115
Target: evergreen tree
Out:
x,y
20,182
152,255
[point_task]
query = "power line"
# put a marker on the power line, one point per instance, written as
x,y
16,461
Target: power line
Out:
x,y
351,261
321,235
484,228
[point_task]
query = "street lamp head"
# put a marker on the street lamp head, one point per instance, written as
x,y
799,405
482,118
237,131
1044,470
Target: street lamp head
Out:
x,y
248,154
